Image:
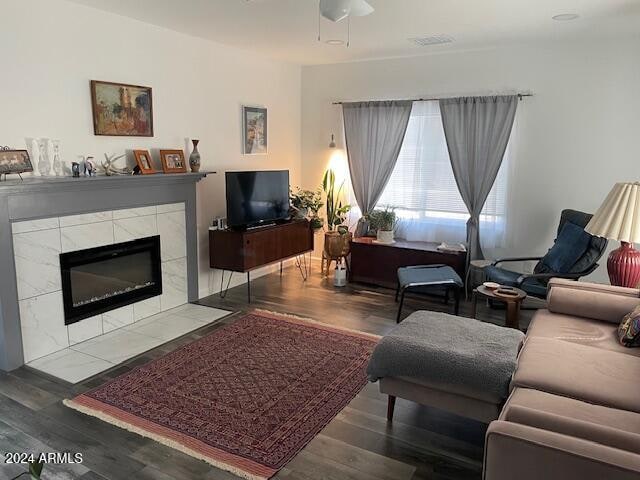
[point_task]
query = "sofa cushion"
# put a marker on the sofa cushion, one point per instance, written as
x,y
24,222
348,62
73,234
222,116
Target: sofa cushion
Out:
x,y
578,371
584,331
629,329
607,426
589,300
570,407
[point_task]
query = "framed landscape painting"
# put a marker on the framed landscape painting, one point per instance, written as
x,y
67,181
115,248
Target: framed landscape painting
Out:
x,y
254,130
121,110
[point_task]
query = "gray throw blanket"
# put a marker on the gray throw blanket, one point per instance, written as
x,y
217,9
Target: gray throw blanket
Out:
x,y
456,354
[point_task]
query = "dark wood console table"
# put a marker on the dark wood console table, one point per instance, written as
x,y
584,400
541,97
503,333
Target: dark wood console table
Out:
x,y
245,250
377,263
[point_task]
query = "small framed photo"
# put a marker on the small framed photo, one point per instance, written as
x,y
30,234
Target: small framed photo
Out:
x,y
14,161
254,130
173,161
143,159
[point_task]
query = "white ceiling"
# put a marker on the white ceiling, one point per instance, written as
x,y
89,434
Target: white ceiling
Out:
x,y
287,29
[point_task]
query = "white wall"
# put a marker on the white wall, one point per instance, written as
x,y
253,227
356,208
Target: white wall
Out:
x,y
576,137
50,49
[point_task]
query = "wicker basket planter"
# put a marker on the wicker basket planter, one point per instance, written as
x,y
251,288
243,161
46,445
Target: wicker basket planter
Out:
x,y
337,244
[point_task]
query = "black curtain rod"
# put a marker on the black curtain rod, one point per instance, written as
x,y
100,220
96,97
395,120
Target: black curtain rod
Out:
x,y
520,95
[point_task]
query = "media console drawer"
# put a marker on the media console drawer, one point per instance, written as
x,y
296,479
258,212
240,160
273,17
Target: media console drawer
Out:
x,y
242,251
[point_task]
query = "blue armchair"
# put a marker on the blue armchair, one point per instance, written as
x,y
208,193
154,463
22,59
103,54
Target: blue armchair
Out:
x,y
574,254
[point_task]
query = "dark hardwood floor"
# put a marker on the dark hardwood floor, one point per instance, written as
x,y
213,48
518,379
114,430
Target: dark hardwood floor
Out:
x,y
422,443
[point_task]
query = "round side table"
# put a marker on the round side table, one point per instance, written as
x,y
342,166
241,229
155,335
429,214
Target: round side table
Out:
x,y
512,316
474,265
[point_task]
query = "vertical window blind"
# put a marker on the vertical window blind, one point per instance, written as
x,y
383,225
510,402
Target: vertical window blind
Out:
x,y
423,191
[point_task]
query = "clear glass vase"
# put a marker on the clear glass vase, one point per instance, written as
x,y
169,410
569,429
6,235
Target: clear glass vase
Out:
x,y
44,165
57,163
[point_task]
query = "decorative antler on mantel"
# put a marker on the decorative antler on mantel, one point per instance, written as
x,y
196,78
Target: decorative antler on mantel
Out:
x,y
109,168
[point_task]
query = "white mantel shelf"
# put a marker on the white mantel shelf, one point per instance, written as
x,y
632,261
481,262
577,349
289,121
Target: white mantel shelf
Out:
x,y
35,184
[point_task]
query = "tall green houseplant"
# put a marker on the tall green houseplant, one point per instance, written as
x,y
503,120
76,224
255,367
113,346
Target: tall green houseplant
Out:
x,y
337,238
336,211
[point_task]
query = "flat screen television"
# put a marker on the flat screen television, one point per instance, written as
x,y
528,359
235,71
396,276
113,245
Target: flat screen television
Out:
x,y
255,198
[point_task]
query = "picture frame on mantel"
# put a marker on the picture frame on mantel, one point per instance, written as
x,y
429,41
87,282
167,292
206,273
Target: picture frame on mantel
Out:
x,y
14,162
254,130
173,161
121,110
143,160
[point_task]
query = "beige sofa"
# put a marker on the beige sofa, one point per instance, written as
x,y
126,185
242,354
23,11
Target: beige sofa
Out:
x,y
574,407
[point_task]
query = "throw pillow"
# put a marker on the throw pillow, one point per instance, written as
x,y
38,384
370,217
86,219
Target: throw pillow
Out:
x,y
629,329
570,245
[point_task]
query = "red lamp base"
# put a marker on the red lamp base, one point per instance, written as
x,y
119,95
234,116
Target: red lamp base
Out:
x,y
624,266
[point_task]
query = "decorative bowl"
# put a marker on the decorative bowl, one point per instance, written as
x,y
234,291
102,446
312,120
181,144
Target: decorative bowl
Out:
x,y
491,285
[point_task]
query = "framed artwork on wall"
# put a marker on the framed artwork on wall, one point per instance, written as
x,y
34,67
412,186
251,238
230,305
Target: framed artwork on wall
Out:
x,y
14,161
173,161
120,109
143,159
254,130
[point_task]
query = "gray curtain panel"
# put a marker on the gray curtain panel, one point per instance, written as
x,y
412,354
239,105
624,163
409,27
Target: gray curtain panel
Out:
x,y
374,132
477,131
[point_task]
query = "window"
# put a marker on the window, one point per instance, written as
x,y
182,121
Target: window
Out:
x,y
423,190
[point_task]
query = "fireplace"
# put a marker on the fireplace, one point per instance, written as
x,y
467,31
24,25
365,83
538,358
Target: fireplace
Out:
x,y
100,279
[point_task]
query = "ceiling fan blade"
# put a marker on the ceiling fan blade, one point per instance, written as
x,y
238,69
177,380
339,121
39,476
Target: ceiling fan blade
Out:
x,y
335,10
360,8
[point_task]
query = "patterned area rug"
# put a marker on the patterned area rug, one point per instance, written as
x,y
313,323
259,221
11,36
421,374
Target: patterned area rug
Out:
x,y
246,398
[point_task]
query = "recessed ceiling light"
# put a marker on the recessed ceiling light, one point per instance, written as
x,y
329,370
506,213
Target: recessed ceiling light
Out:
x,y
334,41
565,17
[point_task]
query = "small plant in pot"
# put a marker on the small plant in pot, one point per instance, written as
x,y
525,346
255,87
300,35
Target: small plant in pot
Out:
x,y
305,204
35,471
384,223
337,236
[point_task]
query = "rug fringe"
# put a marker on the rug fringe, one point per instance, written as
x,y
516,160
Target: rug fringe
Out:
x,y
315,322
160,439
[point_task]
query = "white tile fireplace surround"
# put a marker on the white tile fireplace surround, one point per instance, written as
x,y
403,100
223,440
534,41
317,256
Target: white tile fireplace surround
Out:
x,y
37,246
91,357
42,217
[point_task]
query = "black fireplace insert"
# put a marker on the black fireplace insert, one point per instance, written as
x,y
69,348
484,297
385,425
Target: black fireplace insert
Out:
x,y
100,279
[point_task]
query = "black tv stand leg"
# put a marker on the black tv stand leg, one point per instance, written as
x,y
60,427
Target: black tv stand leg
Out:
x,y
224,290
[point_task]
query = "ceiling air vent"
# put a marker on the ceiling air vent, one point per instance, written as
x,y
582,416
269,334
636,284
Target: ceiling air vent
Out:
x,y
431,40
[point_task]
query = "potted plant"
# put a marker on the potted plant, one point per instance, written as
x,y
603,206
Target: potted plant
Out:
x,y
35,470
305,204
337,236
384,223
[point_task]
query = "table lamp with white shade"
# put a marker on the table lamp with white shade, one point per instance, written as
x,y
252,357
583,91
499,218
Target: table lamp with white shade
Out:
x,y
618,218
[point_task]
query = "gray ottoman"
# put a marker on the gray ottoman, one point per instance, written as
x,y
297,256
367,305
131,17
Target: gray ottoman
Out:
x,y
453,363
429,279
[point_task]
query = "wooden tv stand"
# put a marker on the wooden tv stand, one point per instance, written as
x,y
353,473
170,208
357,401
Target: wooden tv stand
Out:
x,y
245,250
